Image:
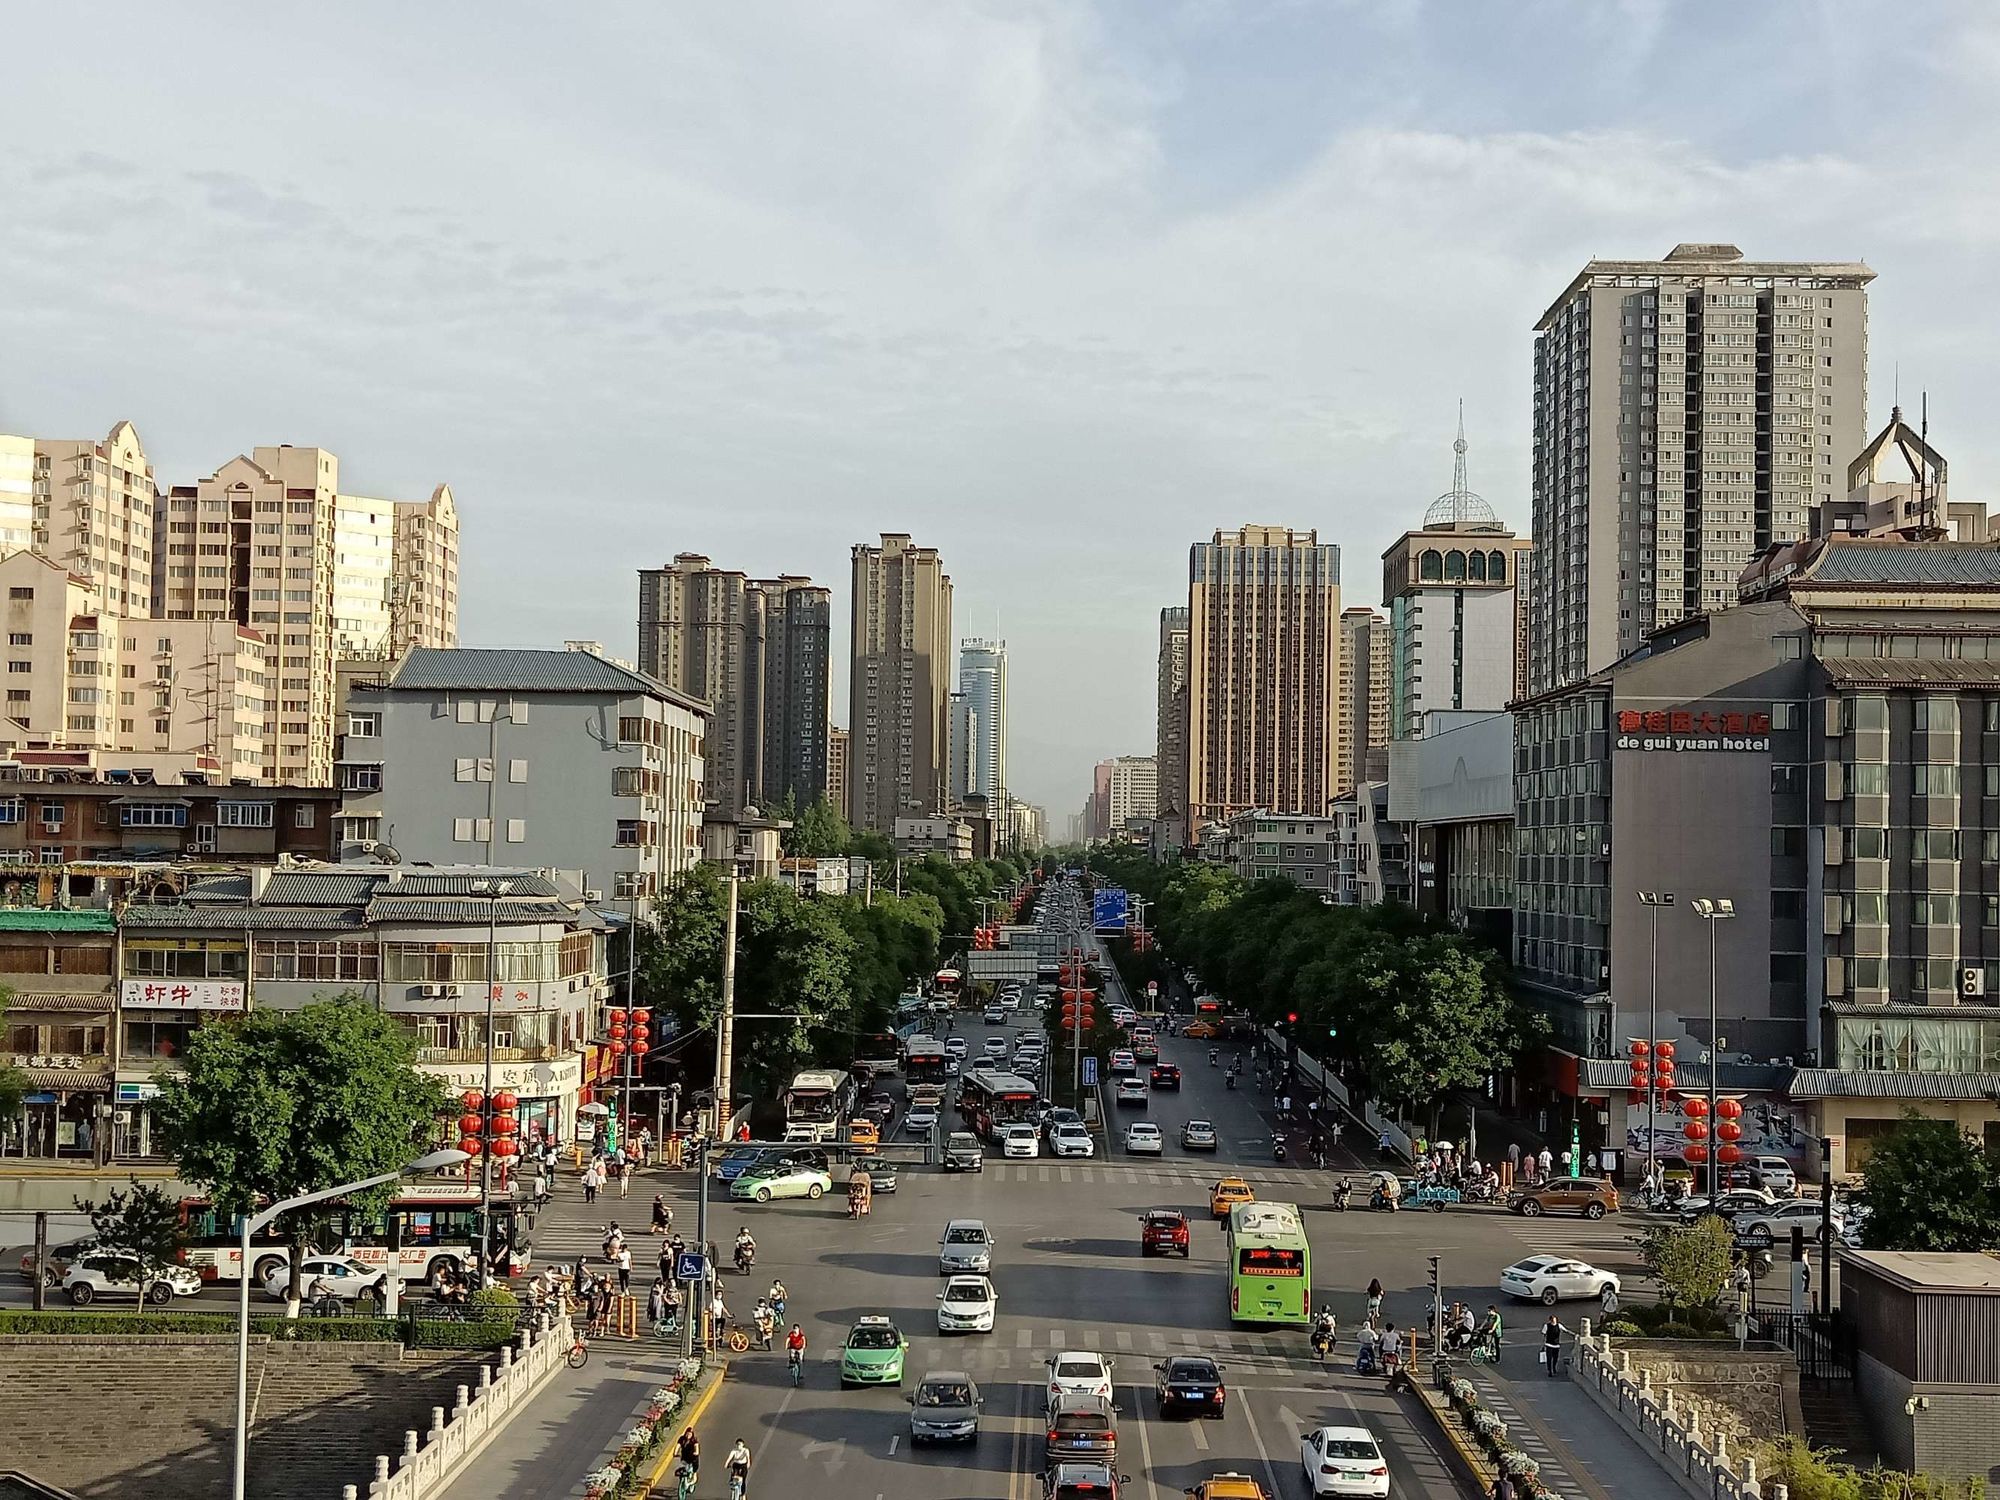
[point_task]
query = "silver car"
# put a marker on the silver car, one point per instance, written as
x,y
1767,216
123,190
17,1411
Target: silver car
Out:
x,y
966,1245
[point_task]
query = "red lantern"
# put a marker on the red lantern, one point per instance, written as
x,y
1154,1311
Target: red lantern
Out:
x,y
505,1125
641,1014
1640,1047
506,1148
1728,1155
1728,1130
1664,1049
471,1145
617,1047
1729,1109
506,1101
618,1033
640,1049
1695,1130
472,1099
470,1124
1695,1151
1696,1107
617,1016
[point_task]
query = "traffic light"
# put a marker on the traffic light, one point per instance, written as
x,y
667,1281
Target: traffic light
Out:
x,y
1291,1018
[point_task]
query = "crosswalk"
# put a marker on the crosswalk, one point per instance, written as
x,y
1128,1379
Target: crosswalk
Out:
x,y
1022,1353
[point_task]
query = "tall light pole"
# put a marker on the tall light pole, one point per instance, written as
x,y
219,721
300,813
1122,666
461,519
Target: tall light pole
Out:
x,y
251,1223
1653,901
1720,909
725,1023
495,890
631,999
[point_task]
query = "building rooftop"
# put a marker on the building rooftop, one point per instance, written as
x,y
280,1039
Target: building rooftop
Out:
x,y
461,669
1695,260
1950,1271
1837,1083
56,919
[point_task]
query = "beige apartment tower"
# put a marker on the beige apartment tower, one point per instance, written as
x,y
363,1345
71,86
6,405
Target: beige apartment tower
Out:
x,y
1264,727
1688,412
1366,658
899,684
1170,707
96,513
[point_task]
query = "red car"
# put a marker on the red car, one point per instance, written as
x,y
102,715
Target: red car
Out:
x,y
1166,1076
1163,1231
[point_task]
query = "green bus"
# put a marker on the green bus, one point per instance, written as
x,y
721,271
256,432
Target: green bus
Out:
x,y
1270,1264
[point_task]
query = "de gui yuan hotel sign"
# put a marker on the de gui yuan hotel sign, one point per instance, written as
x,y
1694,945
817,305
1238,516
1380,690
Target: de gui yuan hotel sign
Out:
x,y
1691,729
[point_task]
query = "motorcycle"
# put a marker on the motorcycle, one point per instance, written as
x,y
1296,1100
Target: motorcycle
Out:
x,y
1229,1081
1341,1192
1278,1149
1213,1057
1322,1343
746,1257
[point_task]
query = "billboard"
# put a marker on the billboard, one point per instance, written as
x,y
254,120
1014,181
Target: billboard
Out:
x,y
1109,909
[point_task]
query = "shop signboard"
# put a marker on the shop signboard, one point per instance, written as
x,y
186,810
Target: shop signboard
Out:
x,y
181,994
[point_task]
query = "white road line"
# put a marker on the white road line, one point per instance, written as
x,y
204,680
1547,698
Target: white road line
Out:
x,y
1124,1338
894,1438
1257,1437
1200,1436
1093,1339
1157,1339
1024,1338
1145,1440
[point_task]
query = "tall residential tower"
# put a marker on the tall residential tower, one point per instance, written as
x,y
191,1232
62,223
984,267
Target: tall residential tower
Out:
x,y
899,680
1170,709
982,679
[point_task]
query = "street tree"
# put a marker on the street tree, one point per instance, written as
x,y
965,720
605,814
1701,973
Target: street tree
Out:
x,y
1928,1185
1690,1263
818,831
279,1103
143,1221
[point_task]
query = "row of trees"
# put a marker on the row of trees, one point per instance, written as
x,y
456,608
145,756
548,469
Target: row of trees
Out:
x,y
1412,1011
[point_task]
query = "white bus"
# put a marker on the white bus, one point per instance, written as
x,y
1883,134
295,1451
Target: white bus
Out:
x,y
817,1105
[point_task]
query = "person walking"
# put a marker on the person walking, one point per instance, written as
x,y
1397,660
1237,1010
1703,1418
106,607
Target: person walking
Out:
x,y
1374,1298
624,1176
1546,1161
624,1269
667,1262
1552,1338
656,1303
663,1217
1566,1161
645,1144
1514,1157
591,1182
718,1319
1382,1144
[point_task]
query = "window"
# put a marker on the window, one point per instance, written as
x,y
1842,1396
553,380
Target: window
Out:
x,y
361,778
184,960
1934,781
344,958
364,726
472,768
52,814
153,815
1934,909
517,830
243,814
1869,843
302,815
1867,973
20,593
1935,715
1867,713
21,638
1788,843
1864,909
1865,780
517,770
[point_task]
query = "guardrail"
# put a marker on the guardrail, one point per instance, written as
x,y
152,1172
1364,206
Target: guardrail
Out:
x,y
1698,1461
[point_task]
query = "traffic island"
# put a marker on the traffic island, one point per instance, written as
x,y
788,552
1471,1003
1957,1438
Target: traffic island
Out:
x,y
1479,1440
639,1463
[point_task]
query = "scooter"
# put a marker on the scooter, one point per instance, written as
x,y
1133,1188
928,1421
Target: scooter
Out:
x,y
1278,1149
1213,1055
1229,1081
1341,1192
746,1257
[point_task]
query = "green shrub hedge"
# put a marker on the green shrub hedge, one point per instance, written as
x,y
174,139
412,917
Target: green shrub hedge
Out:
x,y
419,1333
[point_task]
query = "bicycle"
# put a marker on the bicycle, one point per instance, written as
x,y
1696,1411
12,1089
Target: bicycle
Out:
x,y
798,1363
737,1340
684,1483
738,1486
579,1353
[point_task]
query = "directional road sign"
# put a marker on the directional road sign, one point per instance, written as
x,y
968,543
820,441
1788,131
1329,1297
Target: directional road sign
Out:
x,y
1090,1072
1109,909
1753,1239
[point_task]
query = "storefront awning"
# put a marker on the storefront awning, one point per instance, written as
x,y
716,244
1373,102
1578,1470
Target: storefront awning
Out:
x,y
26,1002
67,1081
1838,1083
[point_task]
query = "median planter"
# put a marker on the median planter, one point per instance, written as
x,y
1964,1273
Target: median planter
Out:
x,y
639,1450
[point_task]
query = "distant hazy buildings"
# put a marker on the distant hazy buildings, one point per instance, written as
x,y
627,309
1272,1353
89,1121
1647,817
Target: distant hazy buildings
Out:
x,y
982,682
898,683
96,511
1688,413
1452,590
755,651
1170,710
1133,789
1264,724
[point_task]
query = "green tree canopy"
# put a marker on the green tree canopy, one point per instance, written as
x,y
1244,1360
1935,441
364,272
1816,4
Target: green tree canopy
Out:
x,y
818,831
1690,1264
143,1220
1929,1186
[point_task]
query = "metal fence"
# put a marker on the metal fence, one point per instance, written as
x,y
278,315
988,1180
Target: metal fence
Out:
x,y
1824,1344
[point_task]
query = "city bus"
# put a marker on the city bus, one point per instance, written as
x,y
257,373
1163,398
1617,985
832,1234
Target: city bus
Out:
x,y
947,984
875,1053
1270,1264
989,1101
817,1105
426,1227
924,1060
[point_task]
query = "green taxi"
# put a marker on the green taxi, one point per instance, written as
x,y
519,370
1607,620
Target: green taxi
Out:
x,y
873,1354
763,1183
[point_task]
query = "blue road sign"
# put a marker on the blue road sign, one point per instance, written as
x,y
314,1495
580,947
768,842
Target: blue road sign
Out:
x,y
1109,909
1090,1072
690,1265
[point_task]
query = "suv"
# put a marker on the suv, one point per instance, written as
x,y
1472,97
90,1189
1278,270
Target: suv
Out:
x,y
1132,1091
115,1273
1166,1076
963,1153
1083,1479
1163,1231
1589,1196
1081,1426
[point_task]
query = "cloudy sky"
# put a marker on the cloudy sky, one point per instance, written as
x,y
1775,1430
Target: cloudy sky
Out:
x,y
1058,288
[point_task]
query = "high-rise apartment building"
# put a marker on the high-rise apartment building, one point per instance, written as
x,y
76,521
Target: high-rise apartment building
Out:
x,y
1688,412
755,650
1170,710
1453,591
1365,671
982,680
96,512
423,596
836,767
962,729
17,493
1133,790
898,683
1264,724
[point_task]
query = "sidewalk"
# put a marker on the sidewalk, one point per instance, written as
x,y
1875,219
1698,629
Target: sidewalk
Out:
x,y
1584,1454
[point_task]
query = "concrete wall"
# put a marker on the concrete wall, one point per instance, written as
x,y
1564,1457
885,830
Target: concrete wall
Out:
x,y
1953,1436
1744,1393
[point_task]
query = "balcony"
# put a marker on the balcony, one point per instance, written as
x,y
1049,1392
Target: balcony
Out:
x,y
442,1055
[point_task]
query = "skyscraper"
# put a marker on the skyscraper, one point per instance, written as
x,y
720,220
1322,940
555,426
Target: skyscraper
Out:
x,y
836,767
1451,588
898,683
1688,412
96,511
963,752
1263,673
756,651
1134,790
982,679
1364,698
1170,710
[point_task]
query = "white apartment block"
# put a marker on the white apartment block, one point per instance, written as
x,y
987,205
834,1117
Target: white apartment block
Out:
x,y
1134,790
1688,412
395,574
96,514
17,493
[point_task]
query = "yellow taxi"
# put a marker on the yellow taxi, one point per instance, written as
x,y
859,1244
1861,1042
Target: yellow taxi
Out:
x,y
863,1135
1204,1031
1226,1194
1229,1486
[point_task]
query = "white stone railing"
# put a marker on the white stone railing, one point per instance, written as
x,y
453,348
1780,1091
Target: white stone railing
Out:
x,y
1698,1460
430,1462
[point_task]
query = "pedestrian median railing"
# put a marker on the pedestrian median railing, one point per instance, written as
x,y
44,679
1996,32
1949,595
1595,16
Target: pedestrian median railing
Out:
x,y
431,1460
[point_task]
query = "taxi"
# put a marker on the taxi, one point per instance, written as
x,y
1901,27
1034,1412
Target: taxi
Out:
x,y
1226,1194
1228,1486
1203,1031
864,1135
873,1353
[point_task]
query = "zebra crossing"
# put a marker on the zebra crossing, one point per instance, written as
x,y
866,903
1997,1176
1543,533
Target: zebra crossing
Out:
x,y
1157,1174
1024,1352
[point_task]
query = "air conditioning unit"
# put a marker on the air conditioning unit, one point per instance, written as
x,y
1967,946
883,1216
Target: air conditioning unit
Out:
x,y
593,896
121,1117
433,991
451,991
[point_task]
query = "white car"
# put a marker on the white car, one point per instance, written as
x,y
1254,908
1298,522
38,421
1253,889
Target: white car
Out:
x,y
1020,1140
1344,1461
967,1305
115,1274
1011,1002
1550,1278
920,1122
955,1046
1132,1091
344,1278
1071,1140
996,1046
1078,1372
1143,1139
1123,1061
1775,1175
1778,1219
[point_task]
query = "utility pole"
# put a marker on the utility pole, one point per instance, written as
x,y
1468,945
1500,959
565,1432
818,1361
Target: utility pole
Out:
x,y
725,1025
631,999
1653,901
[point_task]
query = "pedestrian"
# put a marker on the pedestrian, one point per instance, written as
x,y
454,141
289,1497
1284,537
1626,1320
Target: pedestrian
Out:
x,y
1374,1298
581,1280
1514,1155
1383,1145
667,1262
656,1303
1552,1337
538,1187
718,1319
663,1217
1503,1487
591,1182
600,1307
1566,1161
1545,1162
624,1176
624,1269
743,1132
614,1238
645,1144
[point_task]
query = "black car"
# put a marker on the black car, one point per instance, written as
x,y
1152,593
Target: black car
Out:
x,y
1166,1076
1190,1385
1084,1479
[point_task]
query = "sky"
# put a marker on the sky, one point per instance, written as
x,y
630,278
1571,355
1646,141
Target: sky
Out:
x,y
1057,288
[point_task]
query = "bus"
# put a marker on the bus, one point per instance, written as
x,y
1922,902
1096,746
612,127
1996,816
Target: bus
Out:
x,y
1270,1264
989,1101
817,1105
426,1227
924,1060
947,984
875,1053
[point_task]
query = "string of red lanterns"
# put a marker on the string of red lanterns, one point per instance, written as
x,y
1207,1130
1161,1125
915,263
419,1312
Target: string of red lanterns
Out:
x,y
638,1039
489,1126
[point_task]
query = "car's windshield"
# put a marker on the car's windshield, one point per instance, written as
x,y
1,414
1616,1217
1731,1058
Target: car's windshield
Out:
x,y
943,1393
965,1234
965,1291
872,1338
1350,1448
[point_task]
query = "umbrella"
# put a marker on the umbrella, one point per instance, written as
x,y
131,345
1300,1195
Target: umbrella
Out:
x,y
592,1109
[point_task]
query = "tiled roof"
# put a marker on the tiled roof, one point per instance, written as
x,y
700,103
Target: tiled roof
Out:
x,y
68,1080
1836,1083
22,1002
53,919
448,883
227,918
1613,1073
219,888
434,669
318,888
433,909
1910,564
1885,671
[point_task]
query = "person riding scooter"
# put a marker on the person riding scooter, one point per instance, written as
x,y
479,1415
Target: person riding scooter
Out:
x,y
1323,1334
746,1251
1213,1056
1341,1191
1278,1148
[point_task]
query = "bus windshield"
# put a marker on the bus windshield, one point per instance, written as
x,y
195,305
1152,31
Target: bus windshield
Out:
x,y
924,1060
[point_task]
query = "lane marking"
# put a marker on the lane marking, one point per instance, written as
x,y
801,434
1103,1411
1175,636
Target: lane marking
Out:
x,y
1200,1435
894,1438
1263,1453
1145,1441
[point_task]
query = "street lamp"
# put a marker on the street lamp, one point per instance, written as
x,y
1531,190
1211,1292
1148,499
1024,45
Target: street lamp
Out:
x,y
1653,901
254,1222
1720,909
495,890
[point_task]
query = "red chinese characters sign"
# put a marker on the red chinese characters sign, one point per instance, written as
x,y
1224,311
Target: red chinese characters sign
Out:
x,y
1692,729
181,994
